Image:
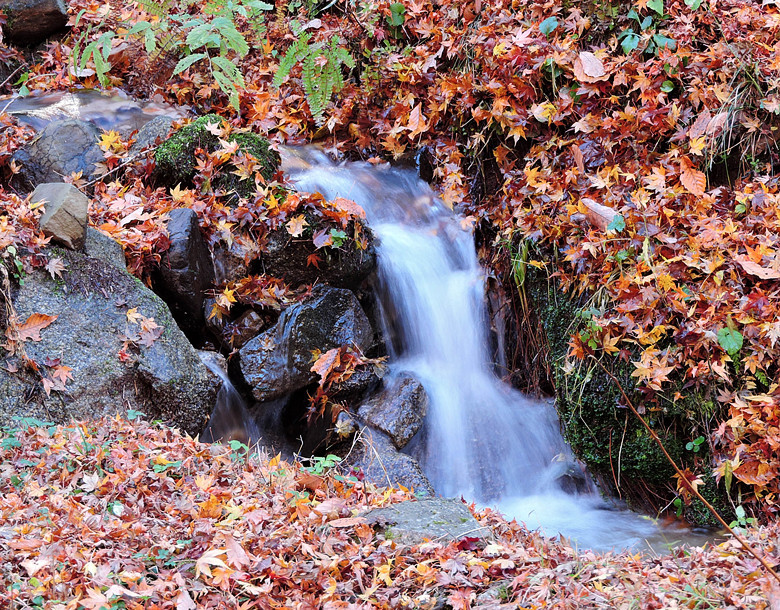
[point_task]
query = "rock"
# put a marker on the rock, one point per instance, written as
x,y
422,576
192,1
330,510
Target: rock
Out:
x,y
434,519
363,381
398,410
279,361
102,247
288,259
151,133
382,464
30,21
162,377
185,273
229,261
62,148
247,326
65,219
175,158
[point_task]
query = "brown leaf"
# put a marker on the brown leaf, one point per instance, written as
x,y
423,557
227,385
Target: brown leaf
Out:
x,y
699,127
588,68
417,124
694,181
296,225
756,269
32,328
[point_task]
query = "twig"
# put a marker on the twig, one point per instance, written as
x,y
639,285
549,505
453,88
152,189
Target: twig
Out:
x,y
710,507
10,76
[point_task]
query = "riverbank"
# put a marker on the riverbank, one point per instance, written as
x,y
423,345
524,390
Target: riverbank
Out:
x,y
121,514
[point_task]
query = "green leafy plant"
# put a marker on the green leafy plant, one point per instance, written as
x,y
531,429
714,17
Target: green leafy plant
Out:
x,y
742,520
321,64
630,39
548,26
97,50
210,36
319,465
695,444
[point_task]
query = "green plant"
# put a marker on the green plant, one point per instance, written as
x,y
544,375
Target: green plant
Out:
x,y
742,520
319,465
321,64
629,39
97,50
210,36
695,444
17,267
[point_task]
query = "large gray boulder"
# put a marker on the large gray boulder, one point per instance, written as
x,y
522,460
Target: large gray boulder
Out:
x,y
279,361
186,271
62,148
118,359
381,463
30,21
398,410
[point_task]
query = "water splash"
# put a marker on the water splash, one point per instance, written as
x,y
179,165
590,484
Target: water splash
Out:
x,y
481,439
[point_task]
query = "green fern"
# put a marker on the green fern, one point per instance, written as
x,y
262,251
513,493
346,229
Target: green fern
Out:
x,y
321,74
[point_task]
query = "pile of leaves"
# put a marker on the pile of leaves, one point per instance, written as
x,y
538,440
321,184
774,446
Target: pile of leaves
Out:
x,y
124,514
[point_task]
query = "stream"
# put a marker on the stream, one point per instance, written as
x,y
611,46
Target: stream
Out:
x,y
482,439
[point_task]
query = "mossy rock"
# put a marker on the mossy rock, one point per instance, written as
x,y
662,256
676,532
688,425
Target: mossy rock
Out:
x,y
601,430
175,158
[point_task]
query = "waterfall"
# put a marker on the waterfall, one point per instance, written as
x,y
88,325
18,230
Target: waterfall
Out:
x,y
481,440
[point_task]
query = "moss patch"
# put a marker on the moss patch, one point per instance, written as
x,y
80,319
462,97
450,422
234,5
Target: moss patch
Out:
x,y
600,429
175,158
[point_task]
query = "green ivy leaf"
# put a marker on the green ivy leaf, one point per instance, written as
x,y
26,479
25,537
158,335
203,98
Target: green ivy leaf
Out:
x,y
656,5
730,340
618,224
548,26
667,86
630,42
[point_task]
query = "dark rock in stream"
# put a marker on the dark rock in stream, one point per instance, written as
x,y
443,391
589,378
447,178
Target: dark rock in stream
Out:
x,y
185,273
151,133
382,464
288,259
161,376
398,410
30,21
279,361
61,149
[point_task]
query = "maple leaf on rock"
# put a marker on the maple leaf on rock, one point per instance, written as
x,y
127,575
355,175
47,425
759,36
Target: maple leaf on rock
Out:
x,y
33,326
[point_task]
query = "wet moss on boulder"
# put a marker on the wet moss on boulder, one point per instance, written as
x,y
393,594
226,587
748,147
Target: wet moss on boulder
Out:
x,y
175,158
601,430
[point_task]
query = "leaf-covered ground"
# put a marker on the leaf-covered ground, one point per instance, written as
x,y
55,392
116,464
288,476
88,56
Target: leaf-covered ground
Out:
x,y
535,115
124,514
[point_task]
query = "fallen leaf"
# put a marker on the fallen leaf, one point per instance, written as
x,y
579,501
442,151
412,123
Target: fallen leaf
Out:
x,y
32,328
756,269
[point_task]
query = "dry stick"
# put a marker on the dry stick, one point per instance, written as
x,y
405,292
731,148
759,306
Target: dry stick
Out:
x,y
679,472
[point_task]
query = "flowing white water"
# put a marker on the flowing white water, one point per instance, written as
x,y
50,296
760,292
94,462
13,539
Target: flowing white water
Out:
x,y
481,439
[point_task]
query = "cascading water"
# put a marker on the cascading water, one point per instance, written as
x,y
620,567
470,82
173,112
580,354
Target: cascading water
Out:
x,y
481,439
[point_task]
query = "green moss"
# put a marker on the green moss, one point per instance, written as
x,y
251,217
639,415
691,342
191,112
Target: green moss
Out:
x,y
598,426
175,158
